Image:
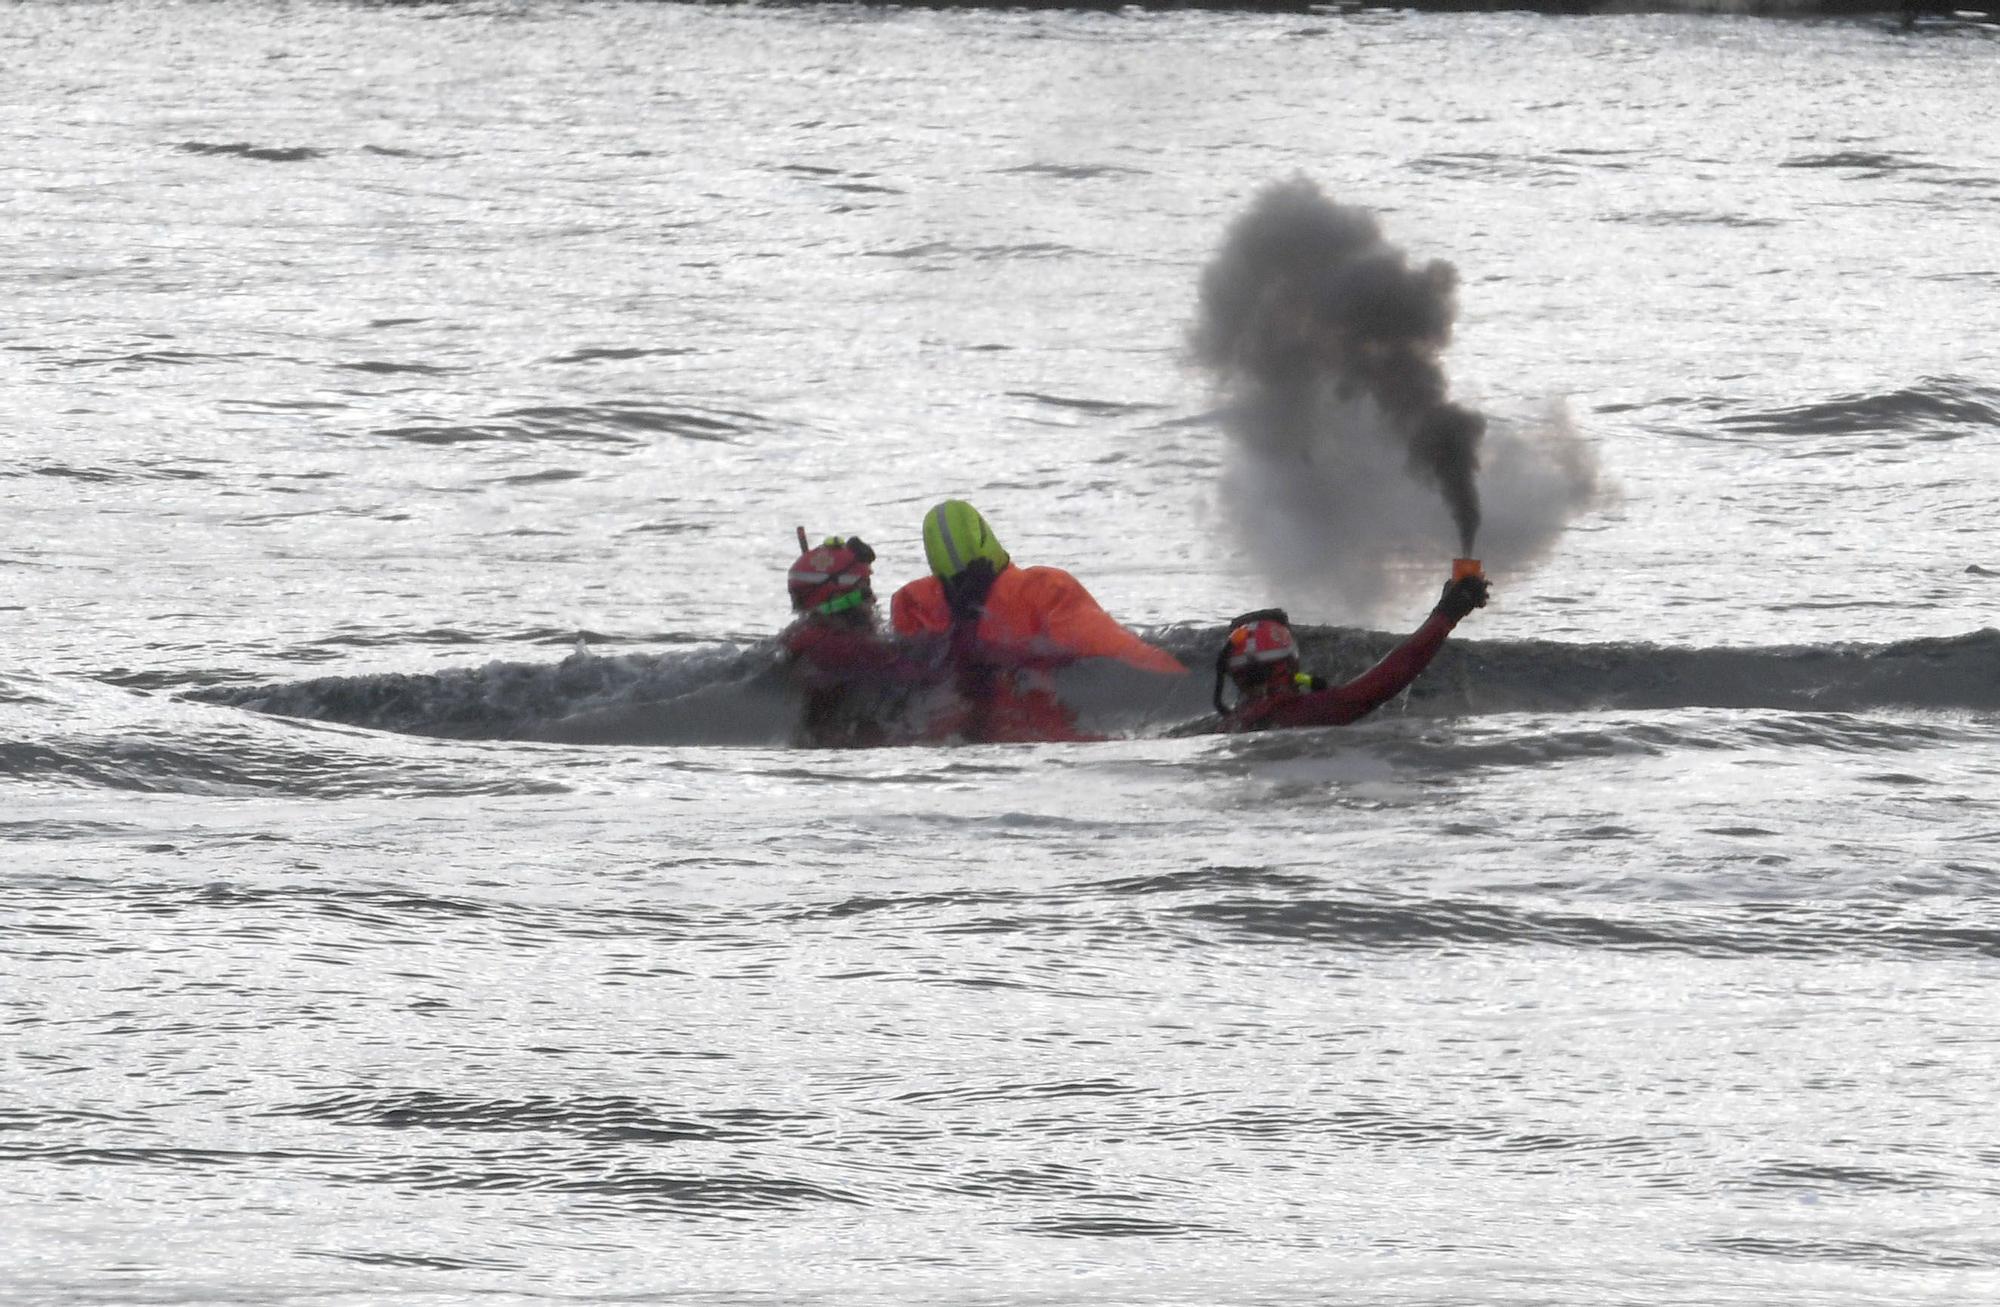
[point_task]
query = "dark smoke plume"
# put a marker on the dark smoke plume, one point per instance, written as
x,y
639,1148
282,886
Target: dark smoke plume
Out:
x,y
1326,342
1306,295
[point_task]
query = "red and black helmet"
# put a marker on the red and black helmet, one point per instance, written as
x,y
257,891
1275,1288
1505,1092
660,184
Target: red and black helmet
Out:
x,y
1258,649
831,577
1258,652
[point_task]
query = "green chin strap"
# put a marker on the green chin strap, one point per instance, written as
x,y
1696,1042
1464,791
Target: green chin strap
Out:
x,y
843,603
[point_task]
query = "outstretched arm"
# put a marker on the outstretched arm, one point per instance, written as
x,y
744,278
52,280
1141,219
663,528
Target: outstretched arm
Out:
x,y
1076,623
1390,677
1407,661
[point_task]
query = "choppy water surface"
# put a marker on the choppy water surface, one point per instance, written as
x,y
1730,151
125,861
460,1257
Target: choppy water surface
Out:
x,y
366,939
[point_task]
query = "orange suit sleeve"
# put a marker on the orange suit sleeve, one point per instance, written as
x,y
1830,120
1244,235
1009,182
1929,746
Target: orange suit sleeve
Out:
x,y
1073,620
919,608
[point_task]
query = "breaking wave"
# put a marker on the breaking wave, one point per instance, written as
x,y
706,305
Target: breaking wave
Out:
x,y
743,696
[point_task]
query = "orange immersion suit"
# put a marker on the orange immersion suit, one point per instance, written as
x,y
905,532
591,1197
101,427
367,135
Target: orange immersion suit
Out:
x,y
1033,620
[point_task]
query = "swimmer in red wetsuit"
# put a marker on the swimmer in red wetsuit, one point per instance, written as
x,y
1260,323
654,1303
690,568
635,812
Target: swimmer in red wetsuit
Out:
x,y
855,679
1261,659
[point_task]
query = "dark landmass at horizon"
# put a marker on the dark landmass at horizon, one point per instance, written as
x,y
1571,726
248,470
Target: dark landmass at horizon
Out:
x,y
1904,11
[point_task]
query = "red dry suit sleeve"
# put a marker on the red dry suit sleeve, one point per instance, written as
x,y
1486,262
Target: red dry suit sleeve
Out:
x,y
1342,704
1075,623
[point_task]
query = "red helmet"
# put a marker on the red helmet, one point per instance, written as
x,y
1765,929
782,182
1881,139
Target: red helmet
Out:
x,y
1259,650
1258,655
832,577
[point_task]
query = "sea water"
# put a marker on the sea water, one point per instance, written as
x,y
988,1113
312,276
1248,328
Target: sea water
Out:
x,y
386,386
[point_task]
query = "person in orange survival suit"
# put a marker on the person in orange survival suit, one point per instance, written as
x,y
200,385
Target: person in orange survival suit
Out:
x,y
855,680
1262,660
1009,627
